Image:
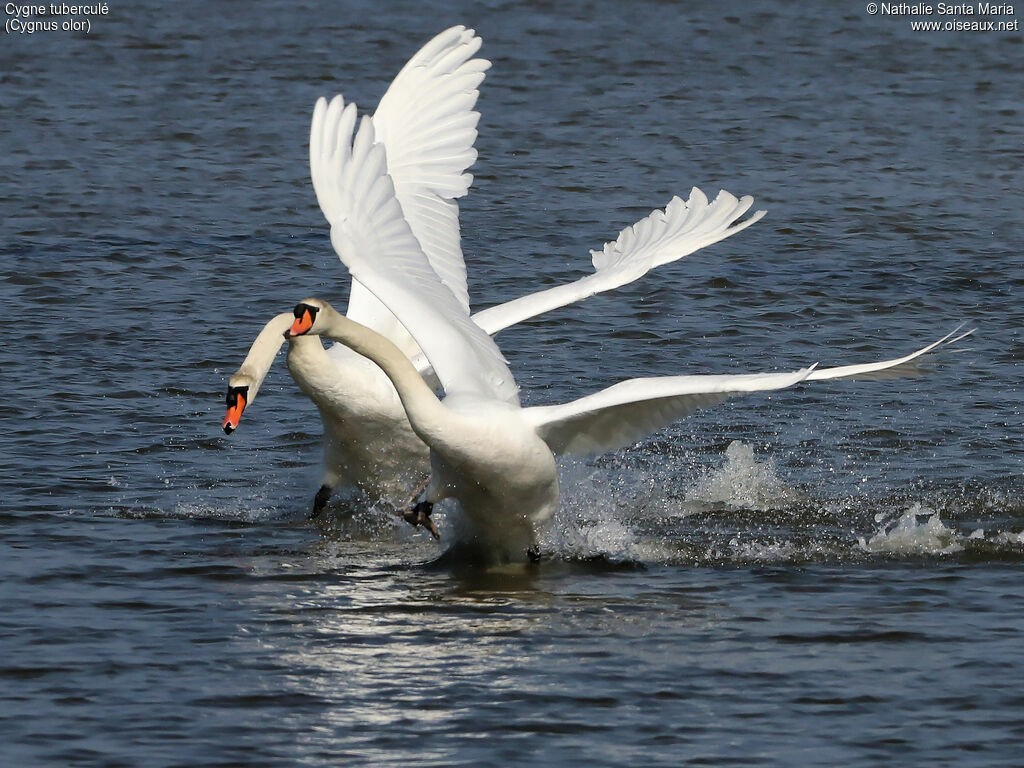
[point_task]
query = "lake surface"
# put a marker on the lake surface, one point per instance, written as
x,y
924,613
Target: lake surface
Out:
x,y
825,576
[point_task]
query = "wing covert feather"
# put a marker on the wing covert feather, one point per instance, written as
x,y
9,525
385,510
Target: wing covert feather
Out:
x,y
625,412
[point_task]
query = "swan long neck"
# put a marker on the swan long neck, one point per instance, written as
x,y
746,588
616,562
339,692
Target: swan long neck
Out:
x,y
262,352
426,413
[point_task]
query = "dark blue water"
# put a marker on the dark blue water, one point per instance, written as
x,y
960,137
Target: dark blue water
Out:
x,y
824,576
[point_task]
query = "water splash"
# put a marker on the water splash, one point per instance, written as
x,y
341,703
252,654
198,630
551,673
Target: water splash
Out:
x,y
757,551
586,525
743,482
917,531
600,512
245,511
576,535
685,508
1005,537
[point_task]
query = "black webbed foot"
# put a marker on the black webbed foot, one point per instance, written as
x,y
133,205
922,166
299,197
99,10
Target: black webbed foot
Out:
x,y
419,514
320,501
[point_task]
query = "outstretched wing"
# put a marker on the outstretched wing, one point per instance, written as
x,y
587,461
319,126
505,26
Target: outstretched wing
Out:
x,y
373,239
625,412
663,236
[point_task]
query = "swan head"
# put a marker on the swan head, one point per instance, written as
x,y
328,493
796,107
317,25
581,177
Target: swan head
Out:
x,y
305,317
236,400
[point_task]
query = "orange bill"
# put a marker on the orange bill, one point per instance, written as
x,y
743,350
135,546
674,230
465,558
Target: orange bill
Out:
x,y
303,322
234,414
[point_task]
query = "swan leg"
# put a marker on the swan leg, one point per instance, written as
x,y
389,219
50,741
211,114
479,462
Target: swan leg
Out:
x,y
415,494
419,514
320,501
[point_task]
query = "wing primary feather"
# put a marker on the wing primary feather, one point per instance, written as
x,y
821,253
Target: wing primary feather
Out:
x,y
665,235
888,369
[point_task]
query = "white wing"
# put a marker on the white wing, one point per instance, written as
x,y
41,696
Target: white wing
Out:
x,y
427,123
373,239
625,412
888,369
661,237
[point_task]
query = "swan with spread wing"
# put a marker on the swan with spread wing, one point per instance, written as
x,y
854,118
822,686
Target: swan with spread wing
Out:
x,y
496,458
427,125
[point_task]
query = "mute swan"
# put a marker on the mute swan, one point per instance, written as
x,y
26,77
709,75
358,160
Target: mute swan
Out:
x,y
427,126
494,457
497,458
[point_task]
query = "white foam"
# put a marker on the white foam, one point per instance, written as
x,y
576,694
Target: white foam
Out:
x,y
1005,537
248,513
917,531
764,551
743,482
599,508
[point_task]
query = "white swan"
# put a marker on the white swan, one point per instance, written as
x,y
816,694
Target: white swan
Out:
x,y
427,125
495,457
